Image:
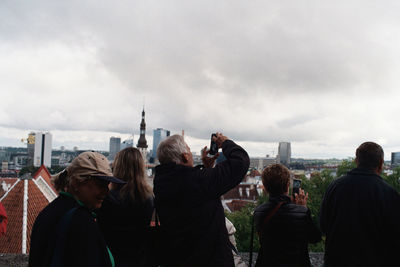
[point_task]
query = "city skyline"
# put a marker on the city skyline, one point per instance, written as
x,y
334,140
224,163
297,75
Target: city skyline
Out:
x,y
322,76
195,144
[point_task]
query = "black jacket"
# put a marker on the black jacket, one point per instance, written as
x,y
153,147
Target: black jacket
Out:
x,y
125,223
188,202
360,215
84,245
285,237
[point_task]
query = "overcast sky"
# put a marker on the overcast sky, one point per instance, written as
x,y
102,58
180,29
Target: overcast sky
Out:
x,y
323,75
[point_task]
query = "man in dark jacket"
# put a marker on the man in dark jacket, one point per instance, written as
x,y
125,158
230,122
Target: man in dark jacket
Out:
x,y
360,215
285,228
188,203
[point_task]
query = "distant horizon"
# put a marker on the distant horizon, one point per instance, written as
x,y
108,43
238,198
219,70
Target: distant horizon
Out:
x,y
195,149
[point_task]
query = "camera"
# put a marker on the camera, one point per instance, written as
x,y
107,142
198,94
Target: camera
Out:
x,y
213,145
296,187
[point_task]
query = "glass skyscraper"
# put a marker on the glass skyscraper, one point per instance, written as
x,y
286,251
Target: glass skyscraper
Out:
x,y
284,153
159,134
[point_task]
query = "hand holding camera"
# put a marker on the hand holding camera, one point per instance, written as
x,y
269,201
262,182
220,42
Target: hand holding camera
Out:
x,y
216,142
301,198
208,162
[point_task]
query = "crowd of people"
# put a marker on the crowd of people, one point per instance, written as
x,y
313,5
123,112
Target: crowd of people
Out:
x,y
105,217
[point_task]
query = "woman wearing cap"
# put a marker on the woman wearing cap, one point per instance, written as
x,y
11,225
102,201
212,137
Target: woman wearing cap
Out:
x,y
66,233
126,212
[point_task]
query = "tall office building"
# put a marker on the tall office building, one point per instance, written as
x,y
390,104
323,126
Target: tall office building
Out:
x,y
31,148
142,143
115,146
42,149
159,134
395,159
284,153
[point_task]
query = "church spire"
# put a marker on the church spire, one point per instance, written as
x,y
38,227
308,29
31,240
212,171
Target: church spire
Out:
x,y
142,143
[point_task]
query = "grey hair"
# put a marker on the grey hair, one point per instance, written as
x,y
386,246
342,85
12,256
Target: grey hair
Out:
x,y
171,149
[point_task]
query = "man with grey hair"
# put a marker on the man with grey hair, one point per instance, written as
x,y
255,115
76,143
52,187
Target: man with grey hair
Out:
x,y
187,200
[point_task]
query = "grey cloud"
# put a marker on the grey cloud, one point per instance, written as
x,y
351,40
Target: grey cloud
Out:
x,y
259,71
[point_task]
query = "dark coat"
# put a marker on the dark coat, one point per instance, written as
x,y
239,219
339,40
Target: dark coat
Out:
x,y
84,244
125,223
285,237
188,202
360,215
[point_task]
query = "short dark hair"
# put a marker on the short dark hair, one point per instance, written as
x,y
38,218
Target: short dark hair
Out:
x,y
369,155
276,178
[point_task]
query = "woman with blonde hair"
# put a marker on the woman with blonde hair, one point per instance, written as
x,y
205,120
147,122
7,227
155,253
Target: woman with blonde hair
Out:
x,y
126,213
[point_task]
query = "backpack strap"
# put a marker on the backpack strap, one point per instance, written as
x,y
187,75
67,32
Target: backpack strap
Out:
x,y
265,221
268,217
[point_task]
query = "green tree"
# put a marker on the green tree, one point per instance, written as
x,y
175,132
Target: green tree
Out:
x,y
316,187
393,179
29,169
242,220
345,166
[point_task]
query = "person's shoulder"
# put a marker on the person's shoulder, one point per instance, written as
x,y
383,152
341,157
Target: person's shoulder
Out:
x,y
292,207
263,208
54,209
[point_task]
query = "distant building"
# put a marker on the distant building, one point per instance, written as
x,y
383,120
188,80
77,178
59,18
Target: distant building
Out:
x,y
260,163
142,143
240,196
31,148
395,159
127,143
159,134
4,166
284,153
42,149
115,146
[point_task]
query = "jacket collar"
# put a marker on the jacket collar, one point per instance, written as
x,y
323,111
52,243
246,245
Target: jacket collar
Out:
x,y
362,171
279,198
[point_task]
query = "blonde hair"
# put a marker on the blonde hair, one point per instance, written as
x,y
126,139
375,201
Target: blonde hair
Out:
x,y
129,166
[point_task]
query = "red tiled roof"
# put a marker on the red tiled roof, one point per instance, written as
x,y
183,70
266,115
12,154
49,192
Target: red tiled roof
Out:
x,y
234,193
13,203
36,203
254,173
9,182
11,242
236,205
46,176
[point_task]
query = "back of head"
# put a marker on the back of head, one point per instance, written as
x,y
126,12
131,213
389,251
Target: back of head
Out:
x,y
276,178
129,166
171,149
369,155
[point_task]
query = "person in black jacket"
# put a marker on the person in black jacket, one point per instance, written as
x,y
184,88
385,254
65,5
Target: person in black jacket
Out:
x,y
360,215
285,229
188,203
65,232
126,213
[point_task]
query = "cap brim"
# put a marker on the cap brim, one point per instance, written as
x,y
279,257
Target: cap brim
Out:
x,y
109,179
